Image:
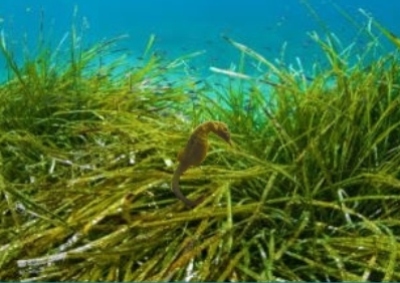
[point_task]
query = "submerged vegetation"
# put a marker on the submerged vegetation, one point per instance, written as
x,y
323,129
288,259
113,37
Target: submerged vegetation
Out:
x,y
309,191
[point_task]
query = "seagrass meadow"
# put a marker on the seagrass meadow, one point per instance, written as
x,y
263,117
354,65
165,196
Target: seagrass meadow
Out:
x,y
309,190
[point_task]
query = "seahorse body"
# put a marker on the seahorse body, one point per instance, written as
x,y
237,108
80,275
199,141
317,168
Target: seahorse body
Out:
x,y
195,152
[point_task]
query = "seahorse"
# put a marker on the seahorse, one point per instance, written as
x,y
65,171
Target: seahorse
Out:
x,y
195,152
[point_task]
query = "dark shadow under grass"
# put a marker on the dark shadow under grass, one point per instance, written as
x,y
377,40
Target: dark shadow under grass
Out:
x,y
308,192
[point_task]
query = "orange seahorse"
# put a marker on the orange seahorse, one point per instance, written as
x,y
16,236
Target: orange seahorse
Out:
x,y
195,152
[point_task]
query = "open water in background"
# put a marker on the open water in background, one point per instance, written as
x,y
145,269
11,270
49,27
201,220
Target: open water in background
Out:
x,y
185,26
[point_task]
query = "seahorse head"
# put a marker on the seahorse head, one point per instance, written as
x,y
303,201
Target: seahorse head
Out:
x,y
221,130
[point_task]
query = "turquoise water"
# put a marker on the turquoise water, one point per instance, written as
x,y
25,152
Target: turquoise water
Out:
x,y
182,27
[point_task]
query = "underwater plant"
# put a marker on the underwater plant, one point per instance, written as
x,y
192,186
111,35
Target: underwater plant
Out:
x,y
309,192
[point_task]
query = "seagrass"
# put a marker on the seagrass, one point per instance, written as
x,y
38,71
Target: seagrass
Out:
x,y
308,191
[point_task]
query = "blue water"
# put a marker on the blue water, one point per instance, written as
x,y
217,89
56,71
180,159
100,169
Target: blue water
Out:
x,y
185,26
